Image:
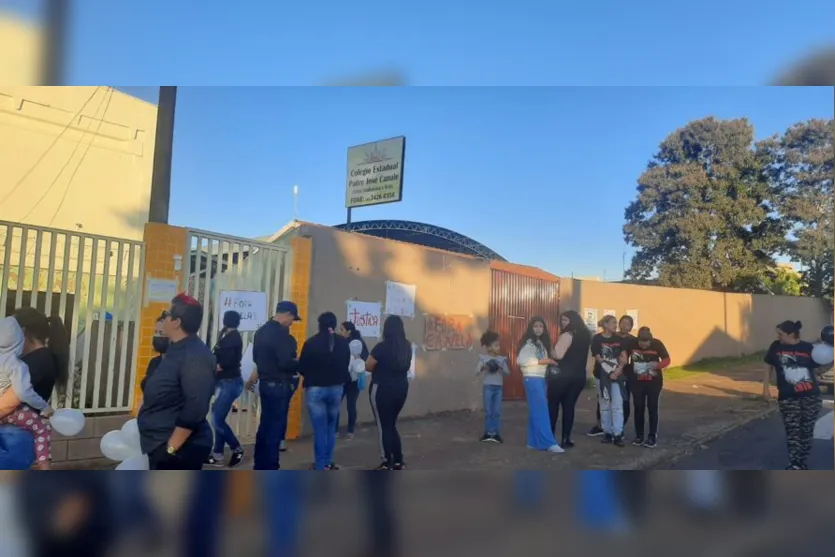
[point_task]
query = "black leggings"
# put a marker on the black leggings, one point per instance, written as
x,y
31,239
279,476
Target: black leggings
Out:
x,y
564,391
645,395
627,390
387,401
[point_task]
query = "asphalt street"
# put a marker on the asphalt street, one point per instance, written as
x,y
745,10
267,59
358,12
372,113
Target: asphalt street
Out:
x,y
761,446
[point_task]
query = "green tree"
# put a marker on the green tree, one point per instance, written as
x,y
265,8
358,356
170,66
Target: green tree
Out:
x,y
783,282
800,166
703,216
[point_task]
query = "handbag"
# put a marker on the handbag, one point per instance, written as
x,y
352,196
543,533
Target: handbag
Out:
x,y
552,370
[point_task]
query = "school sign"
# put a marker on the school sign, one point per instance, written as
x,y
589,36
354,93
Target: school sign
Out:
x,y
375,173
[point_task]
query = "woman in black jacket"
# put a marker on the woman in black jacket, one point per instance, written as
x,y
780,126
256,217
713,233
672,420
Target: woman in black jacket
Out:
x,y
351,392
228,352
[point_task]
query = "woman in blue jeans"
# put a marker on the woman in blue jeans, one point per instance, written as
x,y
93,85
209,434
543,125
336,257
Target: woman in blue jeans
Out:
x,y
351,391
324,365
228,353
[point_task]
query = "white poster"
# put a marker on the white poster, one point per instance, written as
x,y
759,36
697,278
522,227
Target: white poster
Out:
x,y
400,299
590,318
161,290
366,317
251,305
633,313
609,312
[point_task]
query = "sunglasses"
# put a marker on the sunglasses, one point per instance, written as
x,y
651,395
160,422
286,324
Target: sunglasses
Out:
x,y
165,315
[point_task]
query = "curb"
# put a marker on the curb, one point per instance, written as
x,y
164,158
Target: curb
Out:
x,y
663,458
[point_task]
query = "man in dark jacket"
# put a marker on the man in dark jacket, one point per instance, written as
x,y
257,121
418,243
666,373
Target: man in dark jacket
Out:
x,y
275,353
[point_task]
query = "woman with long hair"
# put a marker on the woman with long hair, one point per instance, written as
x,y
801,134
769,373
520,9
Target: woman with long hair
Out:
x,y
534,359
323,364
568,379
229,352
389,364
46,351
799,396
351,392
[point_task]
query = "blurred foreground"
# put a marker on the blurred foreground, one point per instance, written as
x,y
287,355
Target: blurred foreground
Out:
x,y
419,513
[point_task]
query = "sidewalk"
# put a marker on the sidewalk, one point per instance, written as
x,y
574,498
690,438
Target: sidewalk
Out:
x,y
694,410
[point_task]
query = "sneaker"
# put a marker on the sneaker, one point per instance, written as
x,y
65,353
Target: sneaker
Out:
x,y
596,431
618,441
607,439
283,446
236,459
498,439
332,467
398,466
638,442
651,442
213,460
567,444
383,466
485,438
556,449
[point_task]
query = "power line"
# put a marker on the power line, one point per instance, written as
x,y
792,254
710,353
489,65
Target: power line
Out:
x,y
66,164
51,145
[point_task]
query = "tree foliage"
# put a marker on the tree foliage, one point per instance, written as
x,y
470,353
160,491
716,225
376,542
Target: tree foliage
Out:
x,y
704,214
781,281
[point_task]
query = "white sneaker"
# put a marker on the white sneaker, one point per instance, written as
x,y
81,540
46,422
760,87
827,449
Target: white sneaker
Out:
x,y
556,449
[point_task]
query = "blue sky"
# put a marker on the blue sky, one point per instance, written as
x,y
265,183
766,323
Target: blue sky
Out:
x,y
540,174
438,42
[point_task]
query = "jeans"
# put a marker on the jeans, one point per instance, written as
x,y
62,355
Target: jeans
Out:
x,y
323,404
17,448
611,406
230,390
275,404
540,434
294,383
492,409
351,393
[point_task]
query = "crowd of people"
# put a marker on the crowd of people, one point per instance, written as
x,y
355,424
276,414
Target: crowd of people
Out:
x,y
186,376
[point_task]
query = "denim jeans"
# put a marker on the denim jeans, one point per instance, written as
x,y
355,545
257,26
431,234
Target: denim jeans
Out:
x,y
492,409
350,393
17,448
275,404
540,434
229,391
283,497
323,404
611,395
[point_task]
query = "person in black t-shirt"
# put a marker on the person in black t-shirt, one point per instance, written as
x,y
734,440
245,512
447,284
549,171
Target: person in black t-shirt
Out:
x,y
799,395
625,326
229,352
46,351
649,359
389,365
564,388
611,354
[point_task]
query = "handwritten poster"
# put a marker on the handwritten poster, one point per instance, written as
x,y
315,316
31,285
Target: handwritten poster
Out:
x,y
633,313
251,305
590,318
366,317
400,299
448,332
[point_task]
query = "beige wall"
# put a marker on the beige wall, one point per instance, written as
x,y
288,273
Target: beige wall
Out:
x,y
96,174
698,324
349,265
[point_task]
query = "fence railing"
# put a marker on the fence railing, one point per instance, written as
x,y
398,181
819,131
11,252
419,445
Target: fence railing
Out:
x,y
94,284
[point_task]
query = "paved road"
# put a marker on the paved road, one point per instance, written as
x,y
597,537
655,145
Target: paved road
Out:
x,y
761,446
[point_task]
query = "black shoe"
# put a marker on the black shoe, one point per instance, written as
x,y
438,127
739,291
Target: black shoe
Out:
x,y
651,442
607,439
332,467
486,438
596,431
618,441
236,459
498,439
567,443
398,466
638,442
383,466
212,461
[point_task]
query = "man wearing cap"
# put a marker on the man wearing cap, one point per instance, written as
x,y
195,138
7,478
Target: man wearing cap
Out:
x,y
274,351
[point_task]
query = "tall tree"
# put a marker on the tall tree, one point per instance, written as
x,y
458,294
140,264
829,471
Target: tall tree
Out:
x,y
703,216
800,166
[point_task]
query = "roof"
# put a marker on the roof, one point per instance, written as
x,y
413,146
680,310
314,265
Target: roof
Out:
x,y
423,234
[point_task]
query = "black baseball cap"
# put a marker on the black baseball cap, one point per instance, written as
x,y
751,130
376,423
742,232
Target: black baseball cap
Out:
x,y
287,306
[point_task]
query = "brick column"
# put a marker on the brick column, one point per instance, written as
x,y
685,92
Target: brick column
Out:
x,y
300,294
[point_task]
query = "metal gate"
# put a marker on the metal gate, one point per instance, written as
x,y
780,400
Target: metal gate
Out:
x,y
217,262
515,298
93,283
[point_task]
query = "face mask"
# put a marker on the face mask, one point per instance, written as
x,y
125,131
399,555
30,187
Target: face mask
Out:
x,y
160,344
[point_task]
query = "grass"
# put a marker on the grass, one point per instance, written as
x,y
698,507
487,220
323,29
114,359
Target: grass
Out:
x,y
711,364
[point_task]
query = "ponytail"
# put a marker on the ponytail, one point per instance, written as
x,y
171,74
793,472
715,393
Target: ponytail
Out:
x,y
59,345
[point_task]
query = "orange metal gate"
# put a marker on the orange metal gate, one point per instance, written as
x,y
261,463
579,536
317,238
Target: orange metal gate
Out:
x,y
517,294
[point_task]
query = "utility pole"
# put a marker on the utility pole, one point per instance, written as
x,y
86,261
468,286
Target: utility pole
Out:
x,y
163,151
52,64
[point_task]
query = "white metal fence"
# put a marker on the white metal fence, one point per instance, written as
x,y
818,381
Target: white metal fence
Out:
x,y
218,263
93,283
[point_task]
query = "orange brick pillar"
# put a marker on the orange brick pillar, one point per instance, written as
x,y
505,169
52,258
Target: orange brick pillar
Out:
x,y
166,247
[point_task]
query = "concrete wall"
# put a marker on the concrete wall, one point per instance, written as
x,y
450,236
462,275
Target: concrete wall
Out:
x,y
698,324
76,155
355,266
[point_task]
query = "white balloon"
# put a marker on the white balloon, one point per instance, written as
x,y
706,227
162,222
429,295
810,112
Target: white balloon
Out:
x,y
823,354
113,446
67,421
136,462
130,434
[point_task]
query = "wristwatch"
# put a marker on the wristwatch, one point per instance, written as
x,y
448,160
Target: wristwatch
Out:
x,y
171,450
